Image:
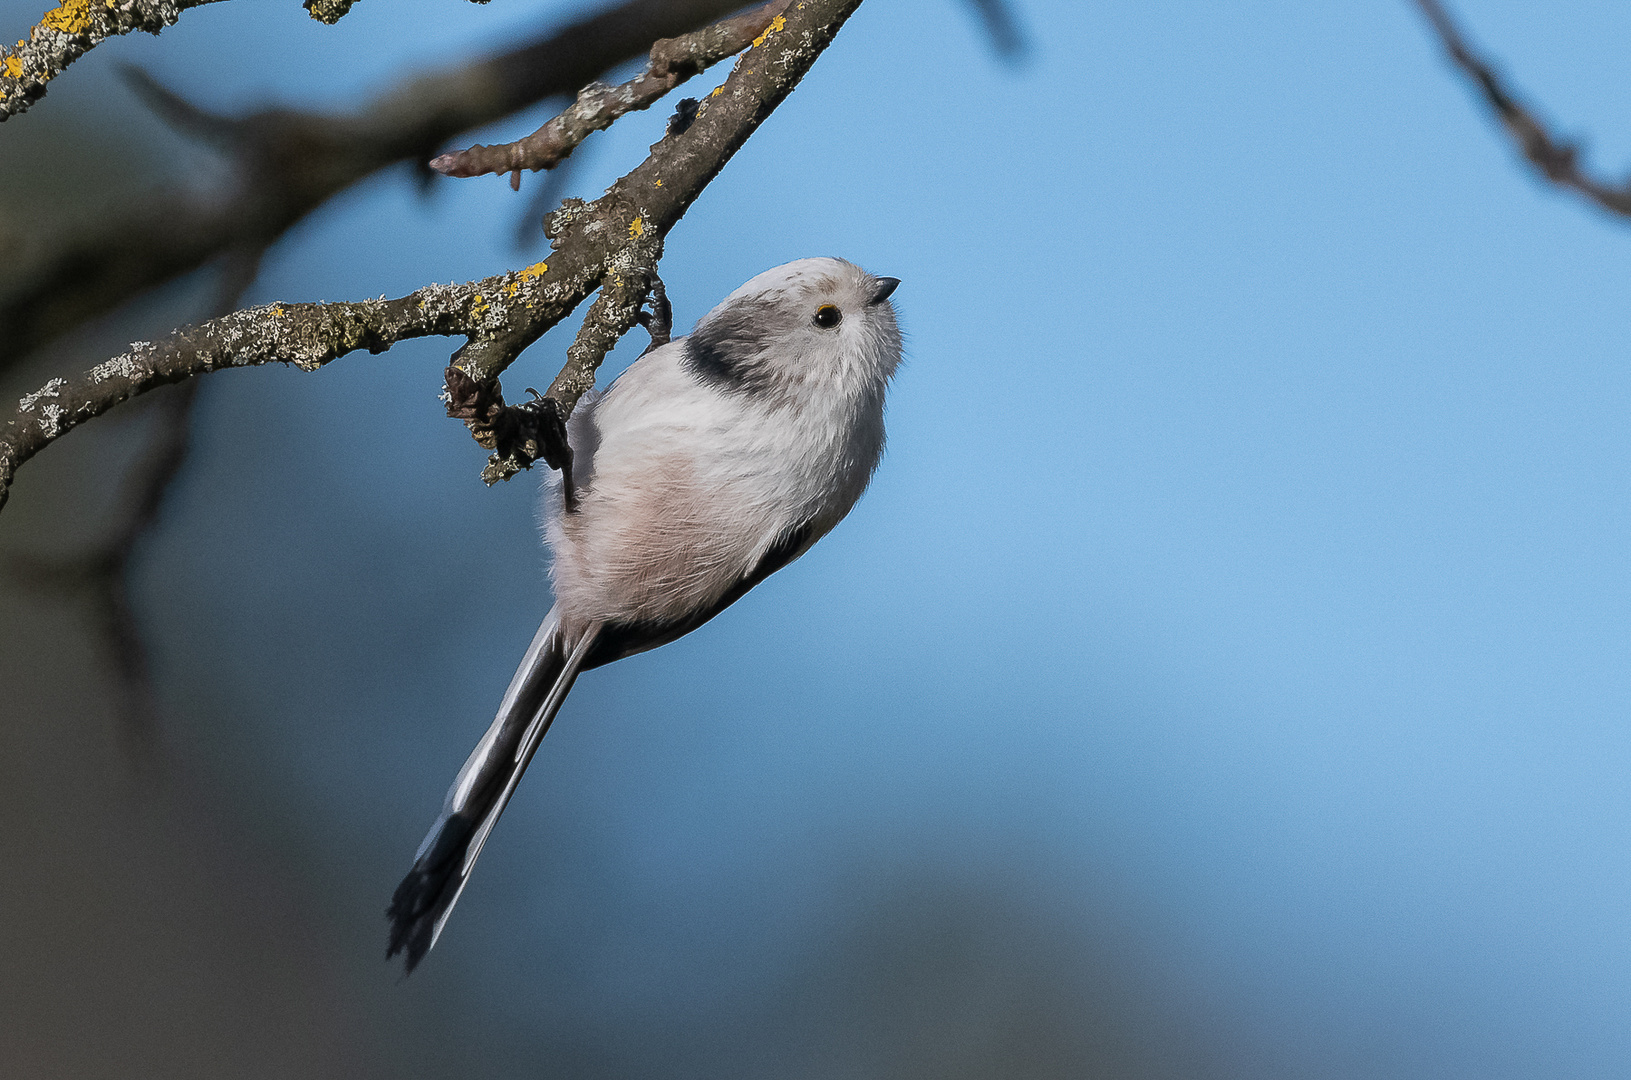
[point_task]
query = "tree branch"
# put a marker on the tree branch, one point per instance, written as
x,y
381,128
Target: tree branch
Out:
x,y
612,244
672,61
1556,160
68,32
289,163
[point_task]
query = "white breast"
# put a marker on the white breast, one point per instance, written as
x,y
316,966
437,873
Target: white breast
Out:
x,y
692,484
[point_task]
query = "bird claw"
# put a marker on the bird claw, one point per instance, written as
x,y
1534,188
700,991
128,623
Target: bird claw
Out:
x,y
518,435
659,321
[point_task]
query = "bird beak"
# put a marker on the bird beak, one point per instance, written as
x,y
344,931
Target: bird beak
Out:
x,y
886,285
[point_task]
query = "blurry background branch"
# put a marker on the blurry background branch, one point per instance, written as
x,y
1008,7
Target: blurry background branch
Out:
x,y
612,244
1002,26
1556,159
100,576
68,32
288,163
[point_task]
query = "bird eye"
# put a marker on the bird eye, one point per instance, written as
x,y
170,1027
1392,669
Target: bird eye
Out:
x,y
827,316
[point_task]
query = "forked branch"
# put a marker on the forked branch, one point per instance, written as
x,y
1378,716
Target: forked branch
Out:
x,y
672,61
611,244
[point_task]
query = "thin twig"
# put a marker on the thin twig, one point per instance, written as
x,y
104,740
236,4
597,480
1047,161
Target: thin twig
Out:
x,y
671,62
1556,159
68,32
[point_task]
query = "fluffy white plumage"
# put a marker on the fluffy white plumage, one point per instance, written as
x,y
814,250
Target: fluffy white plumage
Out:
x,y
711,462
685,481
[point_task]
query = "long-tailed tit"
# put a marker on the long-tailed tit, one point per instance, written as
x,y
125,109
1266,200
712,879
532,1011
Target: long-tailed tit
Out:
x,y
711,463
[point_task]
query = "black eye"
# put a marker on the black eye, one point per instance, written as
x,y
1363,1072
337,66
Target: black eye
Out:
x,y
827,316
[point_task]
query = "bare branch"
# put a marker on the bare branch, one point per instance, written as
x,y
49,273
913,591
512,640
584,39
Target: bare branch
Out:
x,y
289,163
68,32
672,61
612,244
1557,160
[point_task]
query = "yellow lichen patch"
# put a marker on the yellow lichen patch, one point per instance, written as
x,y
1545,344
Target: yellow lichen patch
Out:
x,y
277,312
537,269
479,306
71,17
637,227
12,68
659,183
720,89
775,24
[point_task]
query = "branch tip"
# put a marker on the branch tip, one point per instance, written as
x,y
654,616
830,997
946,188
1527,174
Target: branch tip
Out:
x,y
1555,158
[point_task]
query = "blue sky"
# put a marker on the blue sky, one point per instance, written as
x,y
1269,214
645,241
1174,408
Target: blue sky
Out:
x,y
1248,562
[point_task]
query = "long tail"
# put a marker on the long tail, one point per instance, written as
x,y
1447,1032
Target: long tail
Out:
x,y
422,903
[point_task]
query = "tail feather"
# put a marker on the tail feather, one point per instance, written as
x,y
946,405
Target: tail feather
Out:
x,y
425,898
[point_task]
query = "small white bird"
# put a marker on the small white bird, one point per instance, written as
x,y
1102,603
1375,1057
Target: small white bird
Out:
x,y
708,465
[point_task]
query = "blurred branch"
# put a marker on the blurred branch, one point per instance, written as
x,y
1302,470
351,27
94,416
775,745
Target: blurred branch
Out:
x,y
1557,160
289,163
545,196
71,30
612,244
102,575
1002,26
672,61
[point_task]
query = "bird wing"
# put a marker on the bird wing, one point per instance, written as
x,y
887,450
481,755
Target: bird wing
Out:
x,y
619,639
